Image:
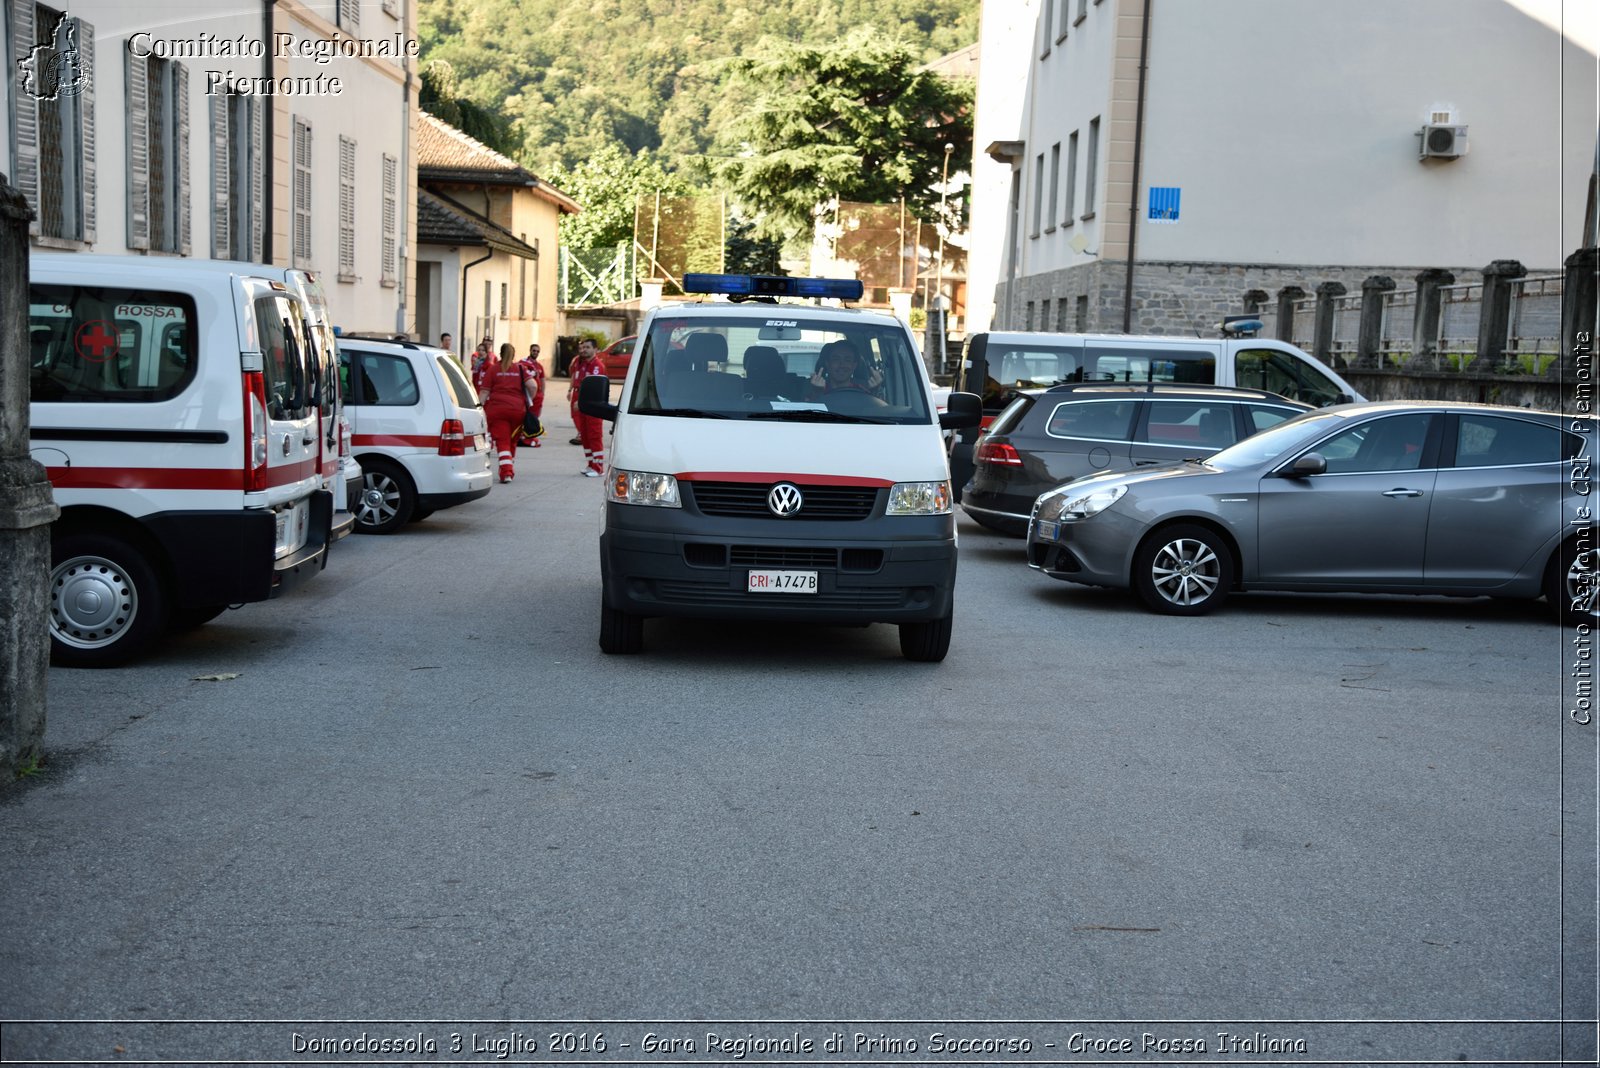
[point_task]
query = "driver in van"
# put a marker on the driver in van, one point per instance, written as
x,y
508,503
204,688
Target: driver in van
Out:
x,y
841,367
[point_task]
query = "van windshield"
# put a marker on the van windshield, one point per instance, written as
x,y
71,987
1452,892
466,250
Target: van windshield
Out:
x,y
784,366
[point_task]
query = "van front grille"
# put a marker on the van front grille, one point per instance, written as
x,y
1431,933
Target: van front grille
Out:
x,y
749,499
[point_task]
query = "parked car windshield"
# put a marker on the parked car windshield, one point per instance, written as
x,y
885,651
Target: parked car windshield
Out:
x,y
781,365
1275,441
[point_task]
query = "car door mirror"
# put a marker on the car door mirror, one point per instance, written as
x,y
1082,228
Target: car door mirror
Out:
x,y
594,397
961,410
1312,463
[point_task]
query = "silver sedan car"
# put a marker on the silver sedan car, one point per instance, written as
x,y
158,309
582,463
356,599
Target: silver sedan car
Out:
x,y
1396,497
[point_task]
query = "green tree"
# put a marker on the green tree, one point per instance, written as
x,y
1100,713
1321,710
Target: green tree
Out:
x,y
855,119
606,186
439,97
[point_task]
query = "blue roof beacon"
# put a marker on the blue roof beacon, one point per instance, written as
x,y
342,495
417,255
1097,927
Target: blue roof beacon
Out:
x,y
766,286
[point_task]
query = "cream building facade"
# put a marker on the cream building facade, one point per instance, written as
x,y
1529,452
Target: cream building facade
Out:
x,y
276,131
1279,143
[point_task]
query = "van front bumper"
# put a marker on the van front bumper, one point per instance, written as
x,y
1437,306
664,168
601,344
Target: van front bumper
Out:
x,y
887,569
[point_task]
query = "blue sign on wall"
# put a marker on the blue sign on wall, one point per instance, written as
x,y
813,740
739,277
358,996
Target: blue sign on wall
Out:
x,y
1164,203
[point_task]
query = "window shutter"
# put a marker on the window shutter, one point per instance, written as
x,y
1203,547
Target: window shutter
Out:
x,y
301,237
91,216
25,160
258,171
347,210
138,100
221,235
391,185
349,14
180,155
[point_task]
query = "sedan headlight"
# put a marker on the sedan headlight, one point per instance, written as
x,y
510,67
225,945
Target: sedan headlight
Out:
x,y
1092,503
1048,506
919,498
642,487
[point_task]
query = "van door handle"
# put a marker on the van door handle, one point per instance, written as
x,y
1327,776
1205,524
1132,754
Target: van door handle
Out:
x,y
1402,493
309,438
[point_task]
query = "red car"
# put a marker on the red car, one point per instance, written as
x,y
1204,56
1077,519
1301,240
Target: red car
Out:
x,y
617,356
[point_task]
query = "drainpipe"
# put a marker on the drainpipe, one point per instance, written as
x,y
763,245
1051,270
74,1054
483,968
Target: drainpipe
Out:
x,y
266,138
487,254
1138,147
402,196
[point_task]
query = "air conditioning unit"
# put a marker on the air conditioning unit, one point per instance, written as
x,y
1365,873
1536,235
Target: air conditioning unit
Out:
x,y
1443,141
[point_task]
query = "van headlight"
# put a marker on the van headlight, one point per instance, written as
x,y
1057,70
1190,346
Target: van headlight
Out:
x,y
643,487
1092,503
919,498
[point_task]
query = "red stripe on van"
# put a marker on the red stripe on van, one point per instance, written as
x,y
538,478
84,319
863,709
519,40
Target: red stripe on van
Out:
x,y
172,478
420,441
779,476
156,478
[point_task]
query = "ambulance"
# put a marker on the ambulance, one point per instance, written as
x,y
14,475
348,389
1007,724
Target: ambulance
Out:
x,y
181,411
773,460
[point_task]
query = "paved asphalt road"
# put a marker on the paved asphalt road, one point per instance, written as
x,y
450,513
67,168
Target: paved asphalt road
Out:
x,y
427,796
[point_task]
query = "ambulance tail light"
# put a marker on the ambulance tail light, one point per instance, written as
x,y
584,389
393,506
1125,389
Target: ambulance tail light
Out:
x,y
452,438
255,431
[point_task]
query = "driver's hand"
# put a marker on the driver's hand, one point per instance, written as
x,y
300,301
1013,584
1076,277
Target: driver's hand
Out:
x,y
817,378
875,379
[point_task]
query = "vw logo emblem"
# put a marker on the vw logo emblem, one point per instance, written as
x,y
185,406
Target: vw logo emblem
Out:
x,y
784,500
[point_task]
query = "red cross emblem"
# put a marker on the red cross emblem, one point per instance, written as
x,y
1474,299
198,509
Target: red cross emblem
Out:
x,y
96,341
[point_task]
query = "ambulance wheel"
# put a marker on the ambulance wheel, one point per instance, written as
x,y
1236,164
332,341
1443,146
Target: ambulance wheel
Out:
x,y
926,642
107,604
620,632
387,498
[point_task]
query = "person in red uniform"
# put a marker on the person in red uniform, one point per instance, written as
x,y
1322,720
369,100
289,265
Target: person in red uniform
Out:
x,y
507,386
586,363
537,370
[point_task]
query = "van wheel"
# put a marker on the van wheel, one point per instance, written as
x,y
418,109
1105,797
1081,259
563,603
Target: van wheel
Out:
x,y
106,601
1183,570
927,642
1569,584
620,632
387,498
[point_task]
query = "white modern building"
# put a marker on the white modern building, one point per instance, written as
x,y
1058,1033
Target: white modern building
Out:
x,y
276,131
1225,145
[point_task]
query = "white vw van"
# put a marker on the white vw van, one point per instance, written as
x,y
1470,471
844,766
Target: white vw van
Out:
x,y
739,487
177,406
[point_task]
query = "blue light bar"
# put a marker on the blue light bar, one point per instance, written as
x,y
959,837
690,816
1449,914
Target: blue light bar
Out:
x,y
766,285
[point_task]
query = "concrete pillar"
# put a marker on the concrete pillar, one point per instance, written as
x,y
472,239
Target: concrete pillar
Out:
x,y
1425,324
650,293
1494,320
1322,331
1375,291
26,511
1578,324
1286,298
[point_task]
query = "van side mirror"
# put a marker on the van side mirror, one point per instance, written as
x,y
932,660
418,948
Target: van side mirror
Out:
x,y
594,398
962,410
1312,463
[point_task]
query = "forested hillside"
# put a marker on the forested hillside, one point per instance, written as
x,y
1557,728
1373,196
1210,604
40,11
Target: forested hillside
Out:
x,y
569,77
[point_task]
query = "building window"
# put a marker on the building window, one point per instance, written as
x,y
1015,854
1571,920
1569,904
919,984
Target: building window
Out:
x,y
1055,185
1061,31
1061,315
505,301
347,210
390,267
237,177
522,283
1044,314
1038,193
536,278
158,154
1083,313
1027,318
300,234
349,14
488,303
1091,162
1072,177
1049,33
53,124
1083,11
